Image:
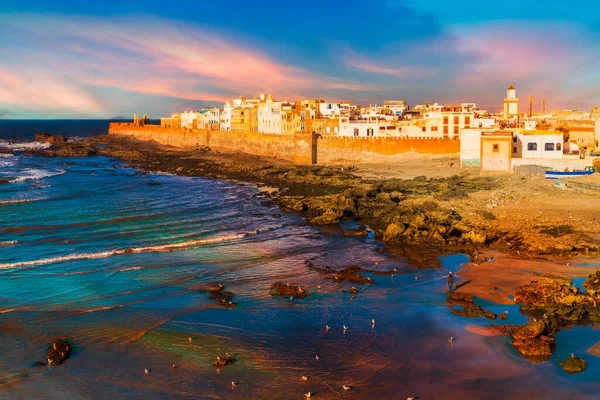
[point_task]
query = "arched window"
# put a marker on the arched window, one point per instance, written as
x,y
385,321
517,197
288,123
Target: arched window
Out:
x,y
558,146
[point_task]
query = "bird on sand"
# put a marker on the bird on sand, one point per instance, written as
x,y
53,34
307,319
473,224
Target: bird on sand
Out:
x,y
233,384
318,286
189,340
173,366
572,355
304,378
146,371
307,395
568,264
451,340
317,358
327,327
345,328
346,388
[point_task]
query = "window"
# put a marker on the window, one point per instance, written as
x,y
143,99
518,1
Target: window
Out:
x,y
514,149
496,148
456,121
328,129
532,146
549,147
445,120
514,139
467,120
335,129
456,129
434,129
424,129
355,131
445,130
558,146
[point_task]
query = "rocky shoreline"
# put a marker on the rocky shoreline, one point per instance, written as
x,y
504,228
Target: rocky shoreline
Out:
x,y
422,211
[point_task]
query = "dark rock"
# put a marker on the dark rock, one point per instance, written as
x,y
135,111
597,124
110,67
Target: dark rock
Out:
x,y
220,296
281,289
460,296
47,138
469,310
58,352
529,331
574,365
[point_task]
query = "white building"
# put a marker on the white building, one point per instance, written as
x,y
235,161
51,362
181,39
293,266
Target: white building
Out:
x,y
396,107
270,116
366,127
189,119
229,106
328,110
209,118
470,147
538,145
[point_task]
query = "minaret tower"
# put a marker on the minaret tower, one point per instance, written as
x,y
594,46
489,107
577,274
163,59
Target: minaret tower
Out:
x,y
511,103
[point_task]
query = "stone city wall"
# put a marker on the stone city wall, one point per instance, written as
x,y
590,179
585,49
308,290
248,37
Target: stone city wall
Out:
x,y
296,147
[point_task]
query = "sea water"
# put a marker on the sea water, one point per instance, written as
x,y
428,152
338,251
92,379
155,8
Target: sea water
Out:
x,y
113,260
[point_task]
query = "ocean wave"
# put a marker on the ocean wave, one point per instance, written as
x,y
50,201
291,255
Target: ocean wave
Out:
x,y
18,201
162,248
24,145
8,243
31,174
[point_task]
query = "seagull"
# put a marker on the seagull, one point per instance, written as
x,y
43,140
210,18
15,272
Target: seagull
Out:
x,y
395,270
346,387
345,328
327,327
233,385
307,395
189,340
568,264
173,366
416,278
572,355
146,371
376,263
291,299
373,321
451,340
318,286
506,312
317,358
304,378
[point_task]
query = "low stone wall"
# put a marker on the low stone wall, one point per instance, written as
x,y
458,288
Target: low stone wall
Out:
x,y
360,150
296,147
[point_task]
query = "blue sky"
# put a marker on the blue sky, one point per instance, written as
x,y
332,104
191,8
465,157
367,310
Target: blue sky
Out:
x,y
85,59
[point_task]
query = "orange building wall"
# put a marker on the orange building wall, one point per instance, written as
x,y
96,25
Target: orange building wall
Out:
x,y
296,148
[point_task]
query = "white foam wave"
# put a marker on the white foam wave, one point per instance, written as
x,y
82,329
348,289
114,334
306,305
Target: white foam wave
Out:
x,y
17,201
25,146
31,174
8,243
105,254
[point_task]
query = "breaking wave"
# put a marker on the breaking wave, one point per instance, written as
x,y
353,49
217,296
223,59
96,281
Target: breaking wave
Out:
x,y
24,146
109,253
31,174
17,201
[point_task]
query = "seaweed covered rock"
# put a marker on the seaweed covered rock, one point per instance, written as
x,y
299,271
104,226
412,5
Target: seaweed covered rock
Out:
x,y
58,353
47,138
470,310
286,289
222,297
533,347
574,365
592,283
460,296
529,331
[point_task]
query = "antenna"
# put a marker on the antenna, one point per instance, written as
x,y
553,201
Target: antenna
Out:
x,y
544,107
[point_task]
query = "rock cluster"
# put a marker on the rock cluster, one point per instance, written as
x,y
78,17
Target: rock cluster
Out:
x,y
286,289
223,361
557,298
461,304
221,296
58,352
47,138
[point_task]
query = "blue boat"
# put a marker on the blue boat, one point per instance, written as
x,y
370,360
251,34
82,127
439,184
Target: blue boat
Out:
x,y
573,174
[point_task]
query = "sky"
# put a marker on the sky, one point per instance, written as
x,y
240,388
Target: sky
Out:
x,y
104,59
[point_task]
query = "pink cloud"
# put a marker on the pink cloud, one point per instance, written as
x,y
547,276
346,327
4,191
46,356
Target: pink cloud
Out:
x,y
37,89
153,56
403,72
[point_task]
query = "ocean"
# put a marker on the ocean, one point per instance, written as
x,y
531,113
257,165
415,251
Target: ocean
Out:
x,y
113,259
